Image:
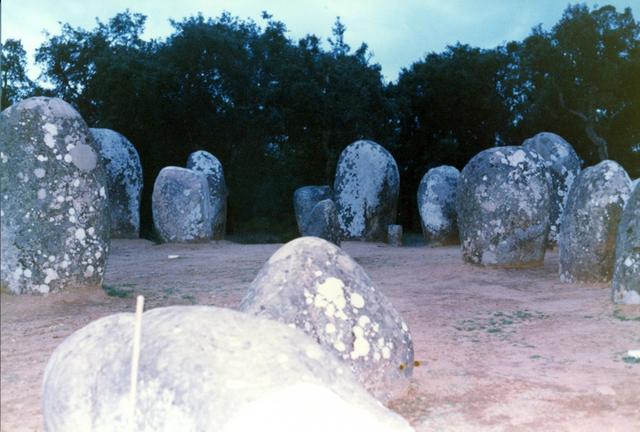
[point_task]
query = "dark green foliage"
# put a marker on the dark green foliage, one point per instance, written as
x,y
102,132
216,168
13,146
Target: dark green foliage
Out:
x,y
277,112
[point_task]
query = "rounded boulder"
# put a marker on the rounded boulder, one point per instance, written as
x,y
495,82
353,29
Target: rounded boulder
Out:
x,y
181,206
563,166
437,205
590,221
124,181
305,199
503,207
366,186
207,164
54,209
315,286
626,274
204,368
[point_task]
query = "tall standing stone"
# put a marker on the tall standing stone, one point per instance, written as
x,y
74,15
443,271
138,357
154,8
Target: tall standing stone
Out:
x,y
207,164
502,203
181,206
626,274
124,180
366,186
563,166
315,286
437,205
590,222
54,213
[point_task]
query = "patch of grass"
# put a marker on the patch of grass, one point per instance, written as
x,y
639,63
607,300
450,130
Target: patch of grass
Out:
x,y
122,291
189,297
535,357
500,323
618,314
631,360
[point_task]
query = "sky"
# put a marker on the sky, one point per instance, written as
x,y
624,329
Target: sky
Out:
x,y
398,33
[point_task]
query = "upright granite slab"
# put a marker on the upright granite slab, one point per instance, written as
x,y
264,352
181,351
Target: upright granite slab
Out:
x,y
366,189
503,208
437,205
54,207
124,180
626,274
588,230
207,164
563,166
181,206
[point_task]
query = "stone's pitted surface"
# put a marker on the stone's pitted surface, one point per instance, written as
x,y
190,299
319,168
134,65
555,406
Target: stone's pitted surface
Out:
x,y
366,186
394,235
626,274
314,285
590,221
305,199
54,209
204,369
502,203
563,166
323,222
124,180
437,205
181,205
209,165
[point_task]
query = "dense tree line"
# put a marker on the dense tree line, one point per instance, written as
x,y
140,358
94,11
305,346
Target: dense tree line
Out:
x,y
278,112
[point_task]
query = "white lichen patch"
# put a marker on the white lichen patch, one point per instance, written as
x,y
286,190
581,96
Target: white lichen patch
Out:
x,y
357,300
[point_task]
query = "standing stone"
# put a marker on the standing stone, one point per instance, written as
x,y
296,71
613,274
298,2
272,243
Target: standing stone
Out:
x,y
563,166
394,235
323,222
626,274
366,188
590,221
304,200
54,213
503,207
124,181
181,205
315,286
204,369
209,165
437,205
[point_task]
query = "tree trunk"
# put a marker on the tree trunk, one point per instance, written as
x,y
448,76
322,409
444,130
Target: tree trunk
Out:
x,y
599,142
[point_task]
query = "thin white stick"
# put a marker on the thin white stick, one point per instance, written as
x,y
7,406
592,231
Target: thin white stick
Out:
x,y
135,358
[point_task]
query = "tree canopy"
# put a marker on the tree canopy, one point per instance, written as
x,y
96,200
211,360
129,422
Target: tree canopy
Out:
x,y
278,112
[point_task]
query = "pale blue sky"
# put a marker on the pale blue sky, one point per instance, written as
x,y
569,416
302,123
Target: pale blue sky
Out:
x,y
398,32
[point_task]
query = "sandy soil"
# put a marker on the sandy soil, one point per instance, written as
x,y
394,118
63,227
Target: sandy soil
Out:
x,y
500,349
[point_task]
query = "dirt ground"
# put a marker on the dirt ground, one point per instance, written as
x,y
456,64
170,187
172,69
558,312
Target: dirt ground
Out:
x,y
501,350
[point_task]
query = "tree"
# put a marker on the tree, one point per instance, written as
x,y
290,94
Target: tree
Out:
x,y
16,84
583,74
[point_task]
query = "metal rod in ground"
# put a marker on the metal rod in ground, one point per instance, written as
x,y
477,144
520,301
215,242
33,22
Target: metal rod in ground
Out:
x,y
135,358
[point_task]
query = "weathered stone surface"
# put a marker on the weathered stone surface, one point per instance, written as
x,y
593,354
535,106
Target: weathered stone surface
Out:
x,y
366,186
626,274
394,235
305,199
590,221
323,222
563,166
181,205
317,287
55,215
124,181
204,369
503,207
209,165
437,205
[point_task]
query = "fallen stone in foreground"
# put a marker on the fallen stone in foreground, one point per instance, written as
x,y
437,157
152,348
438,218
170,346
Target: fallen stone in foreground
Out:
x,y
204,369
315,286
